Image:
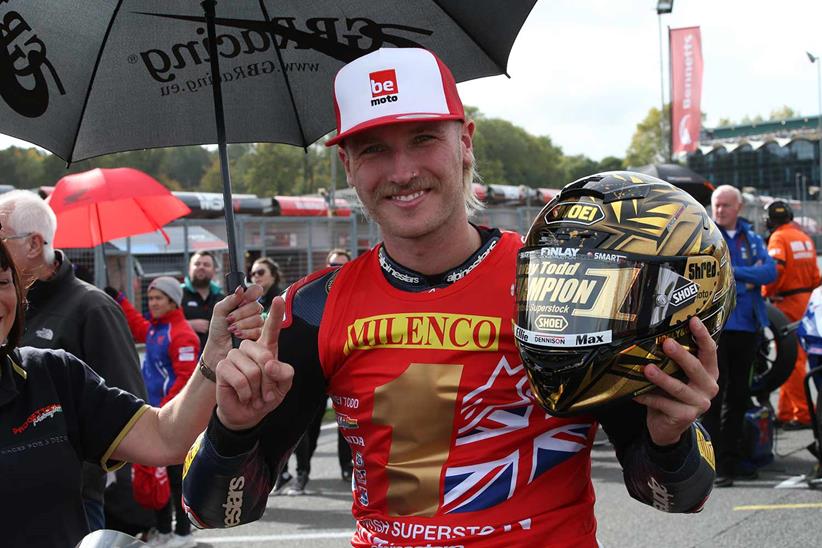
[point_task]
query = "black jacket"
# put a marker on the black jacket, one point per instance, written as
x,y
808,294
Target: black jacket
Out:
x,y
55,415
67,313
269,295
196,308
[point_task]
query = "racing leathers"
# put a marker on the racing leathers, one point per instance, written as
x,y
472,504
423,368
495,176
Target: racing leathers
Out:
x,y
798,276
449,447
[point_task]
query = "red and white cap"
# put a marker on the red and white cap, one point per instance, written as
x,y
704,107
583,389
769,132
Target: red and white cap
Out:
x,y
393,85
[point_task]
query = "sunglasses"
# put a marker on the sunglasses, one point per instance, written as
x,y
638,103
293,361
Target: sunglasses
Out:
x,y
260,272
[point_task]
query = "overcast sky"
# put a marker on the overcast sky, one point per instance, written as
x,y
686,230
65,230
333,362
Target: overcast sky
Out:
x,y
585,72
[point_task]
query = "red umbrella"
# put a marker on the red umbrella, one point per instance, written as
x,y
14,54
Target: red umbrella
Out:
x,y
101,205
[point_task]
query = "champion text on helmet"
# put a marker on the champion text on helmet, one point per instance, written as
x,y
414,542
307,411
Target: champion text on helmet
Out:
x,y
613,266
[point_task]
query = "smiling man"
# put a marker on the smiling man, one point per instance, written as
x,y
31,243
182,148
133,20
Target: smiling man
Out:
x,y
414,343
200,293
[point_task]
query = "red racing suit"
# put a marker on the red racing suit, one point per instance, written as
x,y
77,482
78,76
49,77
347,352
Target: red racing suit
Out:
x,y
449,446
431,395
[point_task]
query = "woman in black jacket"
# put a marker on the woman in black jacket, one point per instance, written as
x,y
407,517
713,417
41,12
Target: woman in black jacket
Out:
x,y
265,272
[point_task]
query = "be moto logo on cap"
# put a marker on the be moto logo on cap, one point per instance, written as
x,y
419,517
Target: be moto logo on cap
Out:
x,y
383,82
367,91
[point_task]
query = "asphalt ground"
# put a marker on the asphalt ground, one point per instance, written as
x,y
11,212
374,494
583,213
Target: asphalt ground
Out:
x,y
752,513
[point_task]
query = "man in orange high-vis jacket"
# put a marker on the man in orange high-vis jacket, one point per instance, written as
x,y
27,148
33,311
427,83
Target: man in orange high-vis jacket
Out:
x,y
795,257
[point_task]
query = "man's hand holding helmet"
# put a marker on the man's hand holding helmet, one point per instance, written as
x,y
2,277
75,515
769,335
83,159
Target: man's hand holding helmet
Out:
x,y
676,404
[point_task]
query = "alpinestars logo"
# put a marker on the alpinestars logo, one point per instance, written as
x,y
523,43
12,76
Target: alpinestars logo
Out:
x,y
38,416
234,501
384,88
23,66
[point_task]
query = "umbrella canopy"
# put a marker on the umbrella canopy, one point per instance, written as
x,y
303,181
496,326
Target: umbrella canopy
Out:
x,y
683,177
101,205
83,79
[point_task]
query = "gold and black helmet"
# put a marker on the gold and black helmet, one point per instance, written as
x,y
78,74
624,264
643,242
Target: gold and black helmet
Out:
x,y
614,265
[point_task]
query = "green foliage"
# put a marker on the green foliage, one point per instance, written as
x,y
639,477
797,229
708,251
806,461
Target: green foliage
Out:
x,y
505,153
782,113
650,144
611,163
747,120
578,166
180,168
21,167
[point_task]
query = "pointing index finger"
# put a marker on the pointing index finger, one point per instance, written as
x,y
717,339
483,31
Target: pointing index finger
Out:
x,y
271,329
269,338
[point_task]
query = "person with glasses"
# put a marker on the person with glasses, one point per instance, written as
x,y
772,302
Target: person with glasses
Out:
x,y
265,272
67,313
304,451
56,414
337,257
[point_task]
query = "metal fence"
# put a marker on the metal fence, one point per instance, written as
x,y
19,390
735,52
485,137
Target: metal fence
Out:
x,y
299,245
807,213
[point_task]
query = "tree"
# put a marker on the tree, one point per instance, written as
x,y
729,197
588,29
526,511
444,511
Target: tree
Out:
x,y
611,163
783,113
647,145
186,165
507,154
747,120
212,180
578,166
21,167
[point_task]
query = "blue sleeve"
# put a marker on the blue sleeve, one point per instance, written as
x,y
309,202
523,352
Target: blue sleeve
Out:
x,y
763,271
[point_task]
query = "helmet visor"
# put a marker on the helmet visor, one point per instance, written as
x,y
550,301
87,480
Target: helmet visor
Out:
x,y
569,297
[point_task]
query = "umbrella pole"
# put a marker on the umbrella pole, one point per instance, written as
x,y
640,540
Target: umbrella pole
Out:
x,y
234,277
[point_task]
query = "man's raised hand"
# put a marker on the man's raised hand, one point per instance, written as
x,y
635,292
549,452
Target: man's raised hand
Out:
x,y
675,404
251,381
237,314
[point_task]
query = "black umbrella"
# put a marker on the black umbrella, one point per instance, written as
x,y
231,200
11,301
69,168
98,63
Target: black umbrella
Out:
x,y
83,79
683,177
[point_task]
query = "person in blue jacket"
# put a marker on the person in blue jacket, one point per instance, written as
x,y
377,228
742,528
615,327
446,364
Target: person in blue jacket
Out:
x,y
753,268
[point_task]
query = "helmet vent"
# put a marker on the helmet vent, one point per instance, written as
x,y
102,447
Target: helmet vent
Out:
x,y
628,193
